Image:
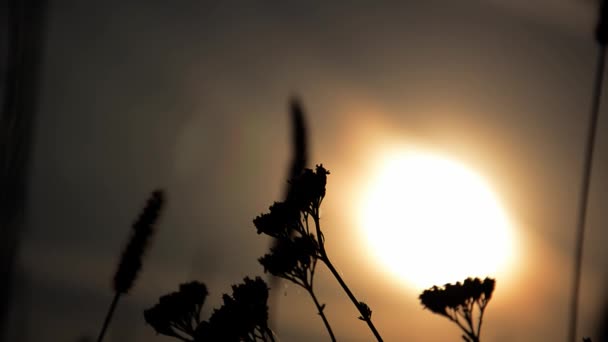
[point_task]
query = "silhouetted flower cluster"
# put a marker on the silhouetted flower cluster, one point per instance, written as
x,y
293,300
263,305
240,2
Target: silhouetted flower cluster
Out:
x,y
280,222
457,302
297,248
439,300
308,189
306,192
299,243
293,259
178,313
242,317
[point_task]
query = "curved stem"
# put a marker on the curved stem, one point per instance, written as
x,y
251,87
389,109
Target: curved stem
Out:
x,y
352,297
481,310
109,316
462,327
584,191
321,308
333,271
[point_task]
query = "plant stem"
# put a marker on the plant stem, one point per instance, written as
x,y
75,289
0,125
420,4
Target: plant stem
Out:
x,y
320,308
481,310
109,316
327,262
352,297
584,191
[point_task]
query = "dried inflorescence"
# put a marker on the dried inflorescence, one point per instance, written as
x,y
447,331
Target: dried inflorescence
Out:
x,y
297,247
293,259
178,313
299,242
130,263
242,317
457,302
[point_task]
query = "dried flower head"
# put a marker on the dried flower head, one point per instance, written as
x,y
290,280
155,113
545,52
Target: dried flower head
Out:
x,y
178,313
293,259
131,260
458,301
308,189
280,222
242,317
297,246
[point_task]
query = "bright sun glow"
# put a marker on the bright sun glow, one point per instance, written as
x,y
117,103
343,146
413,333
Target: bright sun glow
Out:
x,y
431,221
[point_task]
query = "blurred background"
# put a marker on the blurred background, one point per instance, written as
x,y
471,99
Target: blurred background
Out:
x,y
191,96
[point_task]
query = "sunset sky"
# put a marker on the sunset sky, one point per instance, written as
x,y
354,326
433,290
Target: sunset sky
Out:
x,y
191,96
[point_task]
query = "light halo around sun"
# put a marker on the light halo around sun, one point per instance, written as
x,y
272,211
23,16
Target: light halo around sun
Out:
x,y
430,220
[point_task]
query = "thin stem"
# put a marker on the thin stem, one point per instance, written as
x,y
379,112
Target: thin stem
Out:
x,y
481,310
321,308
333,270
455,319
584,194
109,316
469,316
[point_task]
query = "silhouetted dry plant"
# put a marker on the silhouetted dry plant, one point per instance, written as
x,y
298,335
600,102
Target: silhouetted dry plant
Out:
x,y
242,317
131,261
298,245
458,303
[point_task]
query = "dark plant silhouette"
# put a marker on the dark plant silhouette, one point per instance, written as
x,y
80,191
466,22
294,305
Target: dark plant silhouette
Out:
x,y
242,317
601,37
178,313
294,256
457,303
131,261
299,159
295,224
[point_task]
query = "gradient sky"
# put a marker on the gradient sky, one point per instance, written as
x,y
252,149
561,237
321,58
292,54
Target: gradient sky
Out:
x,y
191,96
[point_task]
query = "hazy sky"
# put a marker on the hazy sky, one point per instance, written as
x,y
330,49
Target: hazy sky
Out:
x,y
191,96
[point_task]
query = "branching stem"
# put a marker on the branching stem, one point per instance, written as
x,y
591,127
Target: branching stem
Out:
x,y
332,269
321,309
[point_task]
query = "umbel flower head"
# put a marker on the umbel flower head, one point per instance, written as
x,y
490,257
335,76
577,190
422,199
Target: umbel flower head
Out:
x,y
242,317
178,313
130,263
280,222
457,302
439,300
294,259
297,246
307,191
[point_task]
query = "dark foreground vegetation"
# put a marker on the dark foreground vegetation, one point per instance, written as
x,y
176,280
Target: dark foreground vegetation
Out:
x,y
298,247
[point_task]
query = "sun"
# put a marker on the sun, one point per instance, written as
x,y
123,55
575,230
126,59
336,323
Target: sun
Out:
x,y
431,220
